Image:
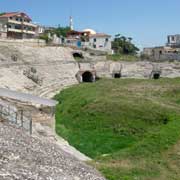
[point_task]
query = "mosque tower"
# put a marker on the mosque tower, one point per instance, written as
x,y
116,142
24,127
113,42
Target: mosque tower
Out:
x,y
71,23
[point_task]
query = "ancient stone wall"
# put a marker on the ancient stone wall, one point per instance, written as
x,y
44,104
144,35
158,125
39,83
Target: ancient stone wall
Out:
x,y
40,71
137,69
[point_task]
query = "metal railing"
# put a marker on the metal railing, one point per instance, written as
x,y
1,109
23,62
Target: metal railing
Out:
x,y
18,117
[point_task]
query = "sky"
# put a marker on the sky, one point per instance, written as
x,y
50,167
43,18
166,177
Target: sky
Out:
x,y
148,22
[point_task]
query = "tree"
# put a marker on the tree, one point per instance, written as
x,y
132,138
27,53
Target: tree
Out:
x,y
124,45
61,31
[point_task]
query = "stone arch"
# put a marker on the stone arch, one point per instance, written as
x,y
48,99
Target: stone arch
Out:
x,y
156,74
87,76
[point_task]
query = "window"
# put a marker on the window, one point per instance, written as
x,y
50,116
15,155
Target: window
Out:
x,y
17,27
10,18
95,39
172,38
94,46
107,39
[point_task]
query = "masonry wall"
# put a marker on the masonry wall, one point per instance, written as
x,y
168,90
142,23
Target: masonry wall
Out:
x,y
25,42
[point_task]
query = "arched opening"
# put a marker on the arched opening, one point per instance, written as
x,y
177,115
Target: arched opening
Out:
x,y
156,76
117,75
87,77
77,55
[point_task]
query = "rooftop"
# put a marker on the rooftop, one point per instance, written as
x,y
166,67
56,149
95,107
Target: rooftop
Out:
x,y
100,35
11,14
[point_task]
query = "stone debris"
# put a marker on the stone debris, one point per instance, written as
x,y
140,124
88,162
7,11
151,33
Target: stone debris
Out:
x,y
23,157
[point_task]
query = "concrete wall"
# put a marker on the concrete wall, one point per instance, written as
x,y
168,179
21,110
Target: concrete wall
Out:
x,y
26,42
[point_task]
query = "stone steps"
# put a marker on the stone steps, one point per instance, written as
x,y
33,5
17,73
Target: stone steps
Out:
x,y
54,87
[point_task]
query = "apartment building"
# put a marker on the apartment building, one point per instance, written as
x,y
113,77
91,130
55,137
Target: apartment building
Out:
x,y
16,25
173,40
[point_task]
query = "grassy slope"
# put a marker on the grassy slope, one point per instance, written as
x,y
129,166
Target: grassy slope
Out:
x,y
129,127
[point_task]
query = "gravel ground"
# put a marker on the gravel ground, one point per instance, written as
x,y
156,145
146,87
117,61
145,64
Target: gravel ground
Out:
x,y
23,157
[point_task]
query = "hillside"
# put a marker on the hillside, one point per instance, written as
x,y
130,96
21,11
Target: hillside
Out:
x,y
131,128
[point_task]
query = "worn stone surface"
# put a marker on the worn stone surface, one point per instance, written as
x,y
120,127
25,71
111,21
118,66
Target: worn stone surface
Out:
x,y
23,157
141,69
53,69
44,71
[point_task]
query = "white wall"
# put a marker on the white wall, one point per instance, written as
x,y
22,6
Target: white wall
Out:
x,y
101,43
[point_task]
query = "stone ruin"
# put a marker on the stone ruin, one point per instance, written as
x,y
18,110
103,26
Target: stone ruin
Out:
x,y
32,74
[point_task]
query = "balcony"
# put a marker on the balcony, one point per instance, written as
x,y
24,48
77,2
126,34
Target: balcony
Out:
x,y
21,31
14,30
14,22
21,23
29,32
29,24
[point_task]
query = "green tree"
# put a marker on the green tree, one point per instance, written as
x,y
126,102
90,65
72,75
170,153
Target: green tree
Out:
x,y
62,31
124,45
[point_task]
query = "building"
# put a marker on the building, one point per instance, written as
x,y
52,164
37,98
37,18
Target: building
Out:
x,y
162,53
16,25
171,51
173,40
3,30
75,38
39,30
100,41
90,39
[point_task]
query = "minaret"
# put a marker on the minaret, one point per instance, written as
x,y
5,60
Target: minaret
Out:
x,y
71,23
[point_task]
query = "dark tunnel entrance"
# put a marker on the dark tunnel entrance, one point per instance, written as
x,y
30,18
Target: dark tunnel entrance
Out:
x,y
117,75
77,55
87,77
156,76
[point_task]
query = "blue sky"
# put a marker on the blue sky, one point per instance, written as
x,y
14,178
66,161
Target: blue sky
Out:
x,y
148,22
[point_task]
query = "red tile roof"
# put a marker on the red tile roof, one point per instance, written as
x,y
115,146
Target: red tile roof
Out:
x,y
11,14
100,35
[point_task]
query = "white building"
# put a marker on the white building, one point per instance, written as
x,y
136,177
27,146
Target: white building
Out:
x,y
3,30
98,41
174,40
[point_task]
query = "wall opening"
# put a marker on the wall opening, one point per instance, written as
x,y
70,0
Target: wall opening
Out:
x,y
77,55
156,76
117,75
87,77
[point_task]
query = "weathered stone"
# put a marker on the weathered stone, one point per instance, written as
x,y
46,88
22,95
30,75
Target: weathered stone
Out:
x,y
25,157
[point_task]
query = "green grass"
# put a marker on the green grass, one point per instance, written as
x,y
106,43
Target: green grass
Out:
x,y
122,57
127,126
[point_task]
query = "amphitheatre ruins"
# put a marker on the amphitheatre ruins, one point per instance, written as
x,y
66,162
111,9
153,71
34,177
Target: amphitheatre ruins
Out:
x,y
30,76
